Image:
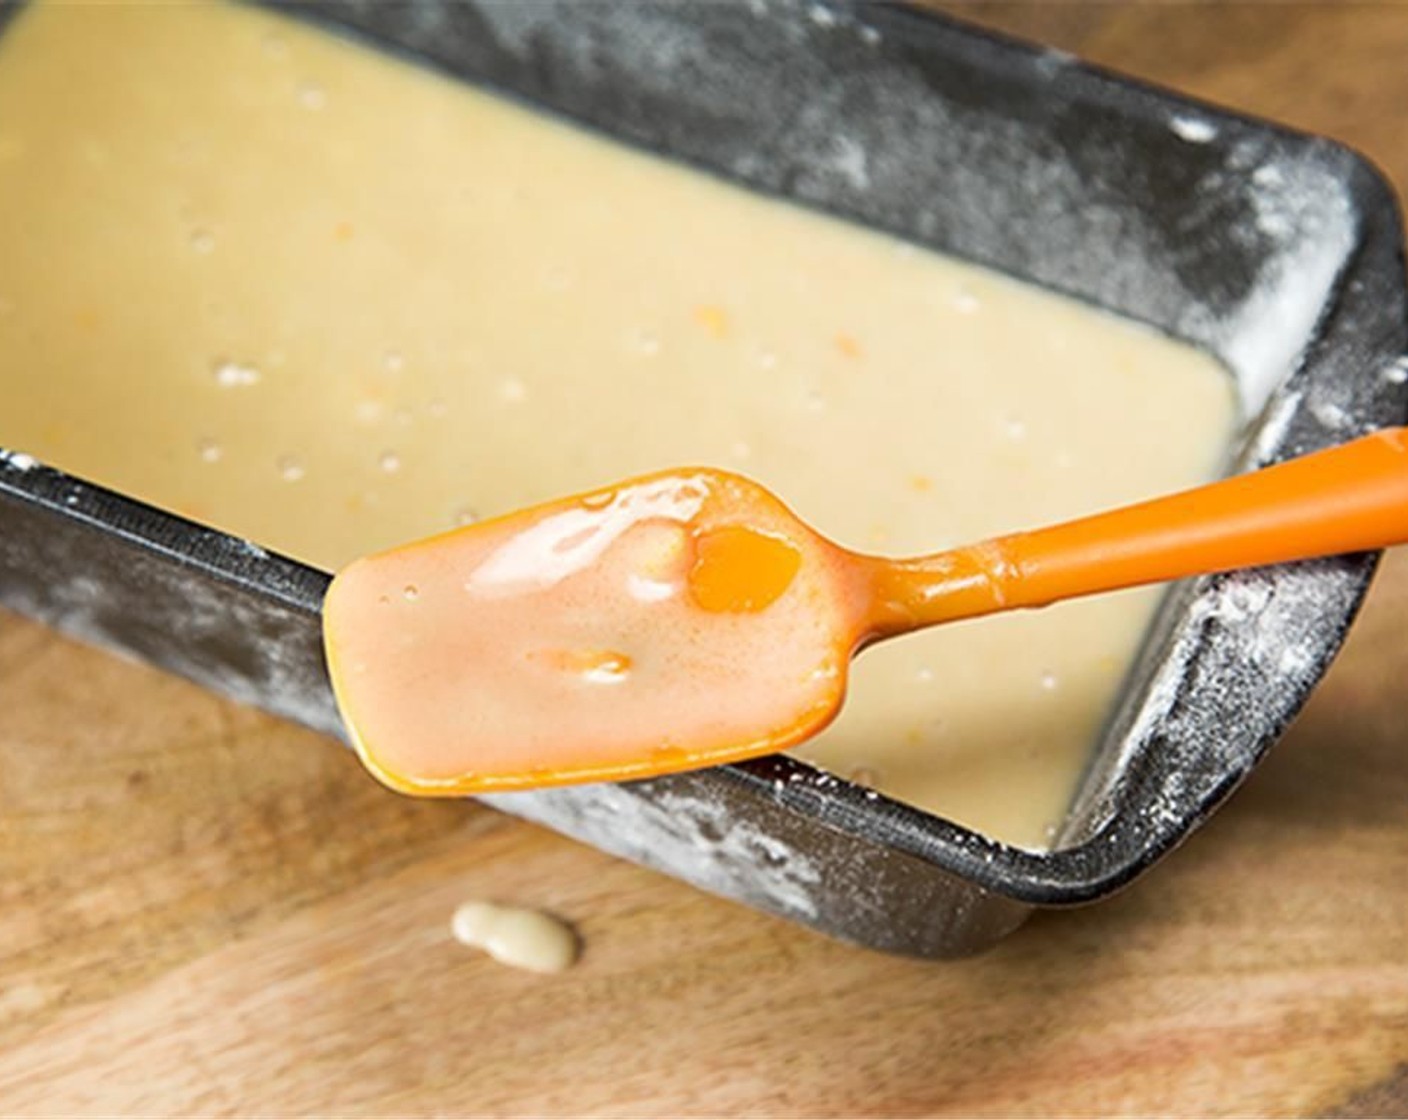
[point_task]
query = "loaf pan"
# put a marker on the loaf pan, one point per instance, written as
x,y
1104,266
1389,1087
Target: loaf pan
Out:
x,y
1277,252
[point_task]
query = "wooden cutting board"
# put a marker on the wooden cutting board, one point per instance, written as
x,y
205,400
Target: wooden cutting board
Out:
x,y
203,910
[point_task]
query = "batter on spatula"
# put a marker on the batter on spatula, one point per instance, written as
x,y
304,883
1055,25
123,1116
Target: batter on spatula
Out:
x,y
663,625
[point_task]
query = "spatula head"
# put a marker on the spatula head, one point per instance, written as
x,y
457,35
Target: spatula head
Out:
x,y
674,621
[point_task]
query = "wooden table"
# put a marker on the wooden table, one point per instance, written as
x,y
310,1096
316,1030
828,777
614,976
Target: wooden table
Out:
x,y
203,910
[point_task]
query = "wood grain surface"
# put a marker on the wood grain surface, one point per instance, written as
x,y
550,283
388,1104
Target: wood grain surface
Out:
x,y
205,911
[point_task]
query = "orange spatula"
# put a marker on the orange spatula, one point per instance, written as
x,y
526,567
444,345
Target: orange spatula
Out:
x,y
689,618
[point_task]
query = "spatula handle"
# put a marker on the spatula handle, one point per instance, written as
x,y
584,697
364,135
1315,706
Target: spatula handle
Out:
x,y
1349,498
1346,499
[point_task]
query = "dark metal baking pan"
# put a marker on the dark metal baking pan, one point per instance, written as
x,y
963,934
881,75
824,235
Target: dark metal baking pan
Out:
x,y
1278,252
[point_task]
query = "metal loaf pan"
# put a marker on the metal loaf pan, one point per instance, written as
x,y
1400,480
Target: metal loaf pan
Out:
x,y
1278,252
